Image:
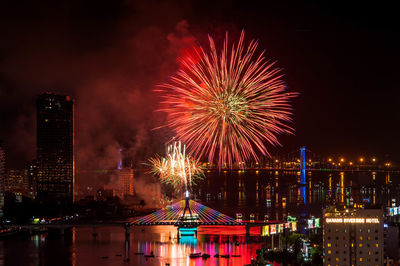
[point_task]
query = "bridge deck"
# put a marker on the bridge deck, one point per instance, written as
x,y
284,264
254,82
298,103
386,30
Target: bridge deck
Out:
x,y
174,215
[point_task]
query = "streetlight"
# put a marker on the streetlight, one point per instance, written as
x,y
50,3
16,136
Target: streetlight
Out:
x,y
342,160
373,159
361,159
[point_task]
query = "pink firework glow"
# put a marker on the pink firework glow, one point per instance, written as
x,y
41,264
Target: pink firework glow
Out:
x,y
227,106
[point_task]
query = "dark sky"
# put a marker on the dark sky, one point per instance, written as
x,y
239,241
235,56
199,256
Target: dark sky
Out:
x,y
341,58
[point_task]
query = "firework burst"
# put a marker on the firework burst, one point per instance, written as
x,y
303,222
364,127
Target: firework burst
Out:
x,y
177,168
227,105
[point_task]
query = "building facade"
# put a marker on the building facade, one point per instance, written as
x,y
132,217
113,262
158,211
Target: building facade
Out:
x,y
55,148
16,182
353,237
391,246
124,186
32,178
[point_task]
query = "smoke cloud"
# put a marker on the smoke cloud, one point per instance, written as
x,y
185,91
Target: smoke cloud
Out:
x,y
110,65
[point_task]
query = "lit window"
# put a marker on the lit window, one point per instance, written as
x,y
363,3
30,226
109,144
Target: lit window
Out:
x,y
377,245
360,245
329,252
361,259
329,244
337,259
361,238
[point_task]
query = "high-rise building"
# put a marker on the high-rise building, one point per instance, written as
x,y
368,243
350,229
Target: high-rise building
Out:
x,y
124,186
55,148
2,177
353,237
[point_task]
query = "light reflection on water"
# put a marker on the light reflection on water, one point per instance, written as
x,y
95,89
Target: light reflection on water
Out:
x,y
260,192
110,247
279,193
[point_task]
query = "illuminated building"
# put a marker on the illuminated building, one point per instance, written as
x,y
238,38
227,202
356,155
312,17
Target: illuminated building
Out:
x,y
16,182
55,148
124,185
353,237
2,177
32,174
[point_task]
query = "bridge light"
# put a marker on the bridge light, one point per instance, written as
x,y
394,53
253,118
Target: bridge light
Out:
x,y
342,160
329,160
373,159
361,159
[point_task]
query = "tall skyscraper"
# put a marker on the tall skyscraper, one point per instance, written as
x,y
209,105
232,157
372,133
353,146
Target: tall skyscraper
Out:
x,y
55,148
2,177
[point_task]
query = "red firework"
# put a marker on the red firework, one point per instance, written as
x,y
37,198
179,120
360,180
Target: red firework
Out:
x,y
227,105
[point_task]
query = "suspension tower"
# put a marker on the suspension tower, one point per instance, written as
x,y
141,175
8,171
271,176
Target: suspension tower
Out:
x,y
187,223
303,165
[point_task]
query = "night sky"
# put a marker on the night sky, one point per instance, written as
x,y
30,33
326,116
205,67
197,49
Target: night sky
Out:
x,y
343,60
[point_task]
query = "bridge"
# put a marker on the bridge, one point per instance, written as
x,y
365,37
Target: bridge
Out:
x,y
186,215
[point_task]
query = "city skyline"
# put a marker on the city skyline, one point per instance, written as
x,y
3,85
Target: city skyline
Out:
x,y
199,132
345,108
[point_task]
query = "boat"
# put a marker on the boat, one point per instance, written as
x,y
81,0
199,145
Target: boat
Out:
x,y
216,255
225,256
236,256
139,253
195,255
150,256
205,256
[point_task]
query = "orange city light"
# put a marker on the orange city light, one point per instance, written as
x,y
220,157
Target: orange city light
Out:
x,y
361,159
342,160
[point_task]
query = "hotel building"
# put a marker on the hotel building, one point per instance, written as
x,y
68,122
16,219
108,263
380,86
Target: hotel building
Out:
x,y
353,237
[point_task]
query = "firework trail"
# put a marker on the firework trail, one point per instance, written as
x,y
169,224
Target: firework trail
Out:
x,y
227,105
177,168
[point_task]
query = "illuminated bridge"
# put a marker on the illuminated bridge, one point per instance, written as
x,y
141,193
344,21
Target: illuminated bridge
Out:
x,y
186,213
